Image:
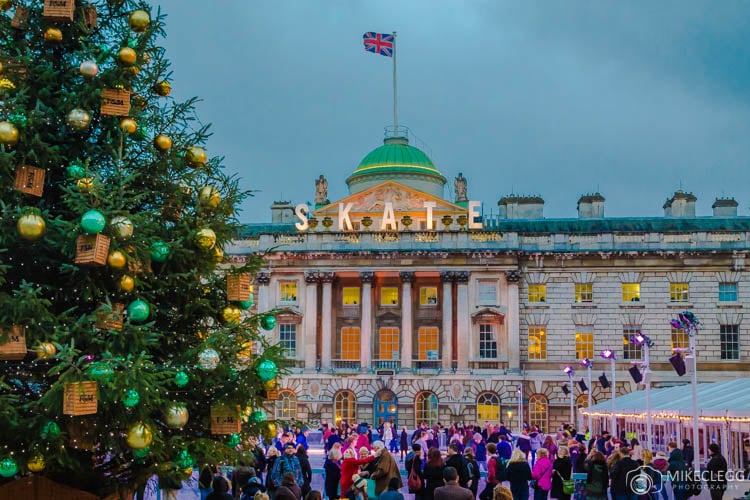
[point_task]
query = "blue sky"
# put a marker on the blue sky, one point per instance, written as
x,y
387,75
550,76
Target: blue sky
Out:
x,y
635,99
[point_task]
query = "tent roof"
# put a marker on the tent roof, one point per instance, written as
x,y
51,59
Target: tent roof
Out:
x,y
716,399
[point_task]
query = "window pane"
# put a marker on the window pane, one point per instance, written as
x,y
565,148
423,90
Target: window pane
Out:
x,y
538,411
727,292
678,292
680,339
351,295
584,342
428,296
537,343
487,293
350,343
631,292
537,293
630,350
344,407
428,340
426,408
487,341
730,341
488,407
584,292
388,342
389,296
286,406
287,291
288,338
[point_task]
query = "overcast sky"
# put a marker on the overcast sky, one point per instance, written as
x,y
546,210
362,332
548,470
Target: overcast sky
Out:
x,y
556,98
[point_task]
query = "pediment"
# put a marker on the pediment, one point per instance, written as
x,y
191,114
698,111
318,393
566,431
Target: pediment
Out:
x,y
289,315
403,198
489,313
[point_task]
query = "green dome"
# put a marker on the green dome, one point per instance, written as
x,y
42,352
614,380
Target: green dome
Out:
x,y
397,157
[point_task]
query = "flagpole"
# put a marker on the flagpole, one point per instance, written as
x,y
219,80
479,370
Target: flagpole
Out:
x,y
395,91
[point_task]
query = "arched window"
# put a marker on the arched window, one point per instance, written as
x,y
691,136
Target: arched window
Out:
x,y
538,411
286,405
344,407
488,407
582,401
426,408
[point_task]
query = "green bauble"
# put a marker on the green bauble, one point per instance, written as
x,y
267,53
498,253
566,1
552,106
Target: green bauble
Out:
x,y
75,172
181,379
159,251
141,453
184,460
18,119
246,304
8,467
233,441
257,416
268,322
93,222
267,370
100,371
142,133
50,431
131,398
138,311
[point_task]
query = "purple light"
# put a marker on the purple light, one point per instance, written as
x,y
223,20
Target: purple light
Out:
x,y
638,339
607,354
585,362
568,370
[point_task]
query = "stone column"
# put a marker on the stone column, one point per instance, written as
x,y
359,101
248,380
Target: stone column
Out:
x,y
326,324
365,331
463,320
512,326
407,324
310,318
447,333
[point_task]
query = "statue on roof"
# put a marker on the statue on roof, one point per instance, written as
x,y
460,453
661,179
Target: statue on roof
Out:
x,y
321,191
460,186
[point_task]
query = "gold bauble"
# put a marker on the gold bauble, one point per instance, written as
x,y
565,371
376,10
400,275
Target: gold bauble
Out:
x,y
78,119
131,70
36,463
218,255
128,125
127,56
209,197
46,350
270,430
187,472
139,20
5,4
53,34
196,156
205,238
85,184
122,227
89,69
139,436
176,416
116,260
231,315
162,88
8,134
31,226
126,283
162,142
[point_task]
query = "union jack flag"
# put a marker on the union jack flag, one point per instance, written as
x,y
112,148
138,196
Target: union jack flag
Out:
x,y
379,43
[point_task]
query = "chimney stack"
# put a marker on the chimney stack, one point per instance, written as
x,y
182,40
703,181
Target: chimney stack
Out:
x,y
725,207
521,207
681,204
591,206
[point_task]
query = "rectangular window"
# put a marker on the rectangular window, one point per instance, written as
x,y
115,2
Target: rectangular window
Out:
x,y
730,341
428,296
351,295
584,342
631,292
727,292
537,343
680,339
349,348
678,292
630,350
389,296
584,292
487,341
487,293
428,339
287,291
537,293
288,339
388,345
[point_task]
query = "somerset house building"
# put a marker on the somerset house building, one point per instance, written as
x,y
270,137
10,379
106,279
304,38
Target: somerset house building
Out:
x,y
396,304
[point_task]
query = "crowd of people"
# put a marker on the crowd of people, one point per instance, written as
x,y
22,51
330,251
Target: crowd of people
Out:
x,y
361,465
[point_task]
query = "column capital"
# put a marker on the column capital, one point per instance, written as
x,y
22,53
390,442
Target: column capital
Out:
x,y
311,277
447,276
367,276
406,276
263,278
462,276
327,277
513,276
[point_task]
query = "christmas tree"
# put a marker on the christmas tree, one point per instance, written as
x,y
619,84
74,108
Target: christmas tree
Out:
x,y
127,349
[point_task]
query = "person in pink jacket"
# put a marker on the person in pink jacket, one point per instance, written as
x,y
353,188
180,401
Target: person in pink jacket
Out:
x,y
542,473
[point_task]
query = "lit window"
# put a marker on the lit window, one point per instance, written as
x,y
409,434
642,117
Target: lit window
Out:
x,y
488,407
727,292
351,295
487,341
286,406
389,296
428,339
680,339
730,341
349,343
537,293
428,296
631,292
582,401
630,350
538,411
487,293
537,343
288,339
287,291
344,407
426,408
388,340
584,342
678,292
584,292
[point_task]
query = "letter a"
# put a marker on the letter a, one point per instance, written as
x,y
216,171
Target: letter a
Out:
x,y
389,218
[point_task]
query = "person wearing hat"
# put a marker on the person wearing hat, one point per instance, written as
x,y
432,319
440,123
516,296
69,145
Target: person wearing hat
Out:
x,y
717,472
386,468
287,463
358,490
